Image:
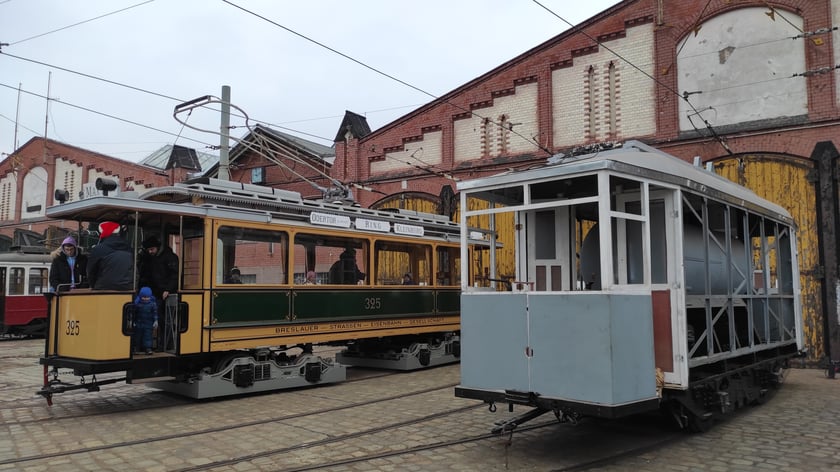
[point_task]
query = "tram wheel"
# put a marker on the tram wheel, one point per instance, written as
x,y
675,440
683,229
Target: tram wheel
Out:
x,y
225,361
699,425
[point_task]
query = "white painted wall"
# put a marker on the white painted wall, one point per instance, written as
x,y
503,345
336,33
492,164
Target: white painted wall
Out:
x,y
34,194
635,90
743,62
520,109
8,197
424,153
68,176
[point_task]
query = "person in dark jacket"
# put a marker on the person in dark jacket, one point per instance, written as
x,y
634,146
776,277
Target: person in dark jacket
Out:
x,y
145,320
111,262
69,266
345,271
158,269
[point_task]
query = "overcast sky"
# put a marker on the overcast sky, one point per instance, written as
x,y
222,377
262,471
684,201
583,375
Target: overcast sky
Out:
x,y
170,51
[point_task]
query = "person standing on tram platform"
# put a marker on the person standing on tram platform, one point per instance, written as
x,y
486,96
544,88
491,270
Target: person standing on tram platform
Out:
x,y
111,262
69,266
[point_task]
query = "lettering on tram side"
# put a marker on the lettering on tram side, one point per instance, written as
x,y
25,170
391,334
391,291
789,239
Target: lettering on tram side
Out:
x,y
359,325
296,329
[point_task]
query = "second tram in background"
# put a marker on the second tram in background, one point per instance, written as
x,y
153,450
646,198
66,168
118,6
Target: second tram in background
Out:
x,y
642,283
24,277
384,284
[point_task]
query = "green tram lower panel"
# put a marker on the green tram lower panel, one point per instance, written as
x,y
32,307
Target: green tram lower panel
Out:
x,y
278,306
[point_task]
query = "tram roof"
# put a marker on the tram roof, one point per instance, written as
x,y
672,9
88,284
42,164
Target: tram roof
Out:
x,y
637,159
216,198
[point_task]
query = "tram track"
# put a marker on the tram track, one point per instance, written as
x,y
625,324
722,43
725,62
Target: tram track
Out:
x,y
220,429
363,461
92,403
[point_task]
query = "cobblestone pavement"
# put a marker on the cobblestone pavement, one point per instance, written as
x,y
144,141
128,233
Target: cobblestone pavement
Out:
x,y
795,431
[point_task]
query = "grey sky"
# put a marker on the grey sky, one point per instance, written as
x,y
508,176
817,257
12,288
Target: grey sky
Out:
x,y
189,48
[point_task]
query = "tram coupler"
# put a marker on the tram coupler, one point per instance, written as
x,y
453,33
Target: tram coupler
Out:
x,y
57,386
507,426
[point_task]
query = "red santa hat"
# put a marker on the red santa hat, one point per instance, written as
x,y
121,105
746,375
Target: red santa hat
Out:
x,y
108,228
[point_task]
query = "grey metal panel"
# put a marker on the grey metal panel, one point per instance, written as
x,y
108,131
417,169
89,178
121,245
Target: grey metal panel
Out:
x,y
493,340
592,347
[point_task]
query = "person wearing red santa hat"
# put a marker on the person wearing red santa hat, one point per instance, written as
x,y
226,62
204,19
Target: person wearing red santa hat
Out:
x,y
111,262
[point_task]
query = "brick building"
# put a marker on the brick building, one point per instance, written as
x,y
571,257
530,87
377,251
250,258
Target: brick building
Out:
x,y
748,86
30,176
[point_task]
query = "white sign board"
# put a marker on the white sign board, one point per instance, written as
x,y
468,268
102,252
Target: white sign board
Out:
x,y
325,219
373,225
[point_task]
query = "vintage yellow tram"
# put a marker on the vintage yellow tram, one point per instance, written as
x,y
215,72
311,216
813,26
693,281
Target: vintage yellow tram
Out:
x,y
310,273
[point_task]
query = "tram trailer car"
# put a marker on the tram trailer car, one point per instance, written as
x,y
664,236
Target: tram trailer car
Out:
x,y
642,283
24,277
220,336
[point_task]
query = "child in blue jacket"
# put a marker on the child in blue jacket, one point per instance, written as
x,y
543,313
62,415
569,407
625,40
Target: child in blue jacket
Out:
x,y
145,320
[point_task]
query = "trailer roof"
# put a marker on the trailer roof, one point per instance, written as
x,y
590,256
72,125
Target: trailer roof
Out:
x,y
637,159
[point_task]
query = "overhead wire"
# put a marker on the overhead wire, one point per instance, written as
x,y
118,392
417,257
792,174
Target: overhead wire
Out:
x,y
150,92
389,76
89,110
258,150
81,22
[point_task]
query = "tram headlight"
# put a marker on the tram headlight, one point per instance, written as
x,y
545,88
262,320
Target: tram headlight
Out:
x,y
106,185
62,195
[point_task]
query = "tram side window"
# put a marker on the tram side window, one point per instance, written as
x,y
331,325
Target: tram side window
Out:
x,y
16,280
396,260
448,266
259,256
335,260
37,281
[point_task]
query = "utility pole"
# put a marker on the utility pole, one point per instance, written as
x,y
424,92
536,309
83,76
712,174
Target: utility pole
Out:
x,y
47,116
224,132
17,117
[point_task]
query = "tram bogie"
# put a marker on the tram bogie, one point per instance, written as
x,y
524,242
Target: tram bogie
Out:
x,y
404,353
252,372
642,283
308,273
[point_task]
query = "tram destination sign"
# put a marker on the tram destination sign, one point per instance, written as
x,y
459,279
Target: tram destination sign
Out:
x,y
373,225
341,221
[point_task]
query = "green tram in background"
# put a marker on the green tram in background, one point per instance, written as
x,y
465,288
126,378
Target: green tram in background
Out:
x,y
221,338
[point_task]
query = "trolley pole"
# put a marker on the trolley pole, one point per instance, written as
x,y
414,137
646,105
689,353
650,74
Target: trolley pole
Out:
x,y
825,157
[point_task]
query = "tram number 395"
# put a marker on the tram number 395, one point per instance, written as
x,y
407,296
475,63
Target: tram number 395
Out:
x,y
373,303
73,327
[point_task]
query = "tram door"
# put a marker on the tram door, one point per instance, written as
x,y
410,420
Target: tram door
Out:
x,y
670,348
549,240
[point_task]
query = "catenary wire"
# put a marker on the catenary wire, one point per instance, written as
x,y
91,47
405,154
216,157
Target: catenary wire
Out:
x,y
448,102
89,110
81,22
